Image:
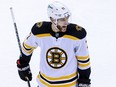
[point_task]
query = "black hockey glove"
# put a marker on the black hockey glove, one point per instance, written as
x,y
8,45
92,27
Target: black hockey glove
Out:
x,y
83,82
24,71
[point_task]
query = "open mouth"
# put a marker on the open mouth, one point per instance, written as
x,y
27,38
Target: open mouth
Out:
x,y
62,29
64,26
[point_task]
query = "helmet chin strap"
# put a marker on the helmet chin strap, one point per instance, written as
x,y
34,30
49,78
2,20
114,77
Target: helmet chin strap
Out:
x,y
57,26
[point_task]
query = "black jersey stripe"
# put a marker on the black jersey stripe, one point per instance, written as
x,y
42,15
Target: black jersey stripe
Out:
x,y
59,82
26,48
84,61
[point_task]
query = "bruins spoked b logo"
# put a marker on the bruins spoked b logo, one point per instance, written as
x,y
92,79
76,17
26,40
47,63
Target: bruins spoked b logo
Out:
x,y
56,57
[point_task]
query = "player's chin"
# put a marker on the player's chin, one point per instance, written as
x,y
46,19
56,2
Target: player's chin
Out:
x,y
64,29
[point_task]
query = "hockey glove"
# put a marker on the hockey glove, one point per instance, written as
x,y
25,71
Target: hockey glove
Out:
x,y
24,71
83,82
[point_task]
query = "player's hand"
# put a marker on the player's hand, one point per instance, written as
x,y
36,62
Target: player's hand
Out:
x,y
24,71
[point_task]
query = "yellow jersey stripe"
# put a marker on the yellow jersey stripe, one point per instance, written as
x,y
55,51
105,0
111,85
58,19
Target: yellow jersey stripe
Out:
x,y
43,35
27,46
82,57
60,78
71,37
65,36
84,64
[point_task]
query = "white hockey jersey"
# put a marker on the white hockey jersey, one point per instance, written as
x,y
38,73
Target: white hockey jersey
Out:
x,y
61,54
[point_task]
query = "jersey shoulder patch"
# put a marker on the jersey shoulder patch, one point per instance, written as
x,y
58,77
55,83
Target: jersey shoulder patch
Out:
x,y
41,28
39,24
78,28
76,31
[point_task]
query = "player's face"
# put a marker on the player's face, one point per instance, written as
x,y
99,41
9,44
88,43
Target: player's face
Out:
x,y
62,24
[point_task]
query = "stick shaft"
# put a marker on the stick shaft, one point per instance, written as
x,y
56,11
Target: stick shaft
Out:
x,y
16,30
28,82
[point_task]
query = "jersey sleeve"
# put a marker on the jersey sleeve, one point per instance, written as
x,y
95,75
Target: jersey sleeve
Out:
x,y
82,54
32,41
29,44
83,58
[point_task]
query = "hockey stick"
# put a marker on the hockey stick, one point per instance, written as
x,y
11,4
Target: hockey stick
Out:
x,y
16,30
28,82
18,39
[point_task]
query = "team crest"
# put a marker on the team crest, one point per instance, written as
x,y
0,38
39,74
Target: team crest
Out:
x,y
56,57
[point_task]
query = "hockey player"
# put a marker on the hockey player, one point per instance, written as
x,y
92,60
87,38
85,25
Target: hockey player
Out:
x,y
64,58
